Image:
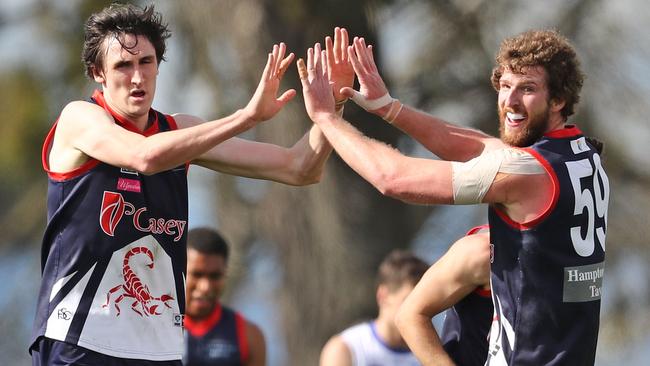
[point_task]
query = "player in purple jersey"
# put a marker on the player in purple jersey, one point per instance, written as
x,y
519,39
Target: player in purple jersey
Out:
x,y
216,334
548,203
113,252
378,342
460,279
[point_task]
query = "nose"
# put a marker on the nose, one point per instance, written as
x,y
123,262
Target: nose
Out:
x,y
203,284
136,78
512,98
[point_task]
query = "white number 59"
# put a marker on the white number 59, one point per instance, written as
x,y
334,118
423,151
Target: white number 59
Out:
x,y
587,199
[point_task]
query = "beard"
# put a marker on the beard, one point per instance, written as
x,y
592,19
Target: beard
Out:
x,y
527,134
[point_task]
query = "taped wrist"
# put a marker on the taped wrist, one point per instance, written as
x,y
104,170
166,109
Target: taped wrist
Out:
x,y
395,107
371,104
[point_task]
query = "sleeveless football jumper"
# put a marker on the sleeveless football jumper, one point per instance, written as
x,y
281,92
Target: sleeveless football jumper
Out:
x,y
547,274
218,340
465,330
368,349
466,327
113,255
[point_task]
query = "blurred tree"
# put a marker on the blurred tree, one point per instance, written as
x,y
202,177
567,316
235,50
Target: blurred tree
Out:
x,y
438,57
329,237
435,55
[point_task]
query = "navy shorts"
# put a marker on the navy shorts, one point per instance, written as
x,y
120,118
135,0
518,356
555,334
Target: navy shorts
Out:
x,y
48,352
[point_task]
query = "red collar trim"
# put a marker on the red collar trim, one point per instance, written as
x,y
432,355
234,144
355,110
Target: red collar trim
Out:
x,y
199,328
477,229
58,176
483,292
98,96
567,131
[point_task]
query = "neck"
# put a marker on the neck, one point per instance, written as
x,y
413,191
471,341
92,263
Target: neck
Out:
x,y
389,333
555,123
141,122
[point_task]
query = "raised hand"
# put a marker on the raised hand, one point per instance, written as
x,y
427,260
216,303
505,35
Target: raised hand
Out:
x,y
264,104
316,89
372,94
339,67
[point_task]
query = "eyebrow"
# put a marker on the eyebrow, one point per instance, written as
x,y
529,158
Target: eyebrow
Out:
x,y
129,62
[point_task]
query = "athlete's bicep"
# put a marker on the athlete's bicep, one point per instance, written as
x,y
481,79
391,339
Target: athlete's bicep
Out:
x,y
86,130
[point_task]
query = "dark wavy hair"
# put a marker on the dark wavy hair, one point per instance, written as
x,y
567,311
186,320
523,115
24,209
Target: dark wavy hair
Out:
x,y
553,52
115,21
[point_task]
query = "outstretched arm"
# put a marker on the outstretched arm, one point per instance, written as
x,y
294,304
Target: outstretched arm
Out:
x,y
464,267
448,141
304,162
76,140
410,179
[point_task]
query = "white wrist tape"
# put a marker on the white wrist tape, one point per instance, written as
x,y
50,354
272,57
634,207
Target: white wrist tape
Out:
x,y
371,104
472,179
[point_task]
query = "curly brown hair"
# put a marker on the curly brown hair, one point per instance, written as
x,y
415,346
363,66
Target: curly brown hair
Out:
x,y
549,49
117,20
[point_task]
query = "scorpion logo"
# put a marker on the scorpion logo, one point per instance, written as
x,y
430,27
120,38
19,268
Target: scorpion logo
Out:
x,y
145,303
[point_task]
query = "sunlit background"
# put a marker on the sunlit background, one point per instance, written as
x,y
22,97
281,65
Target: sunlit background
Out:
x,y
304,258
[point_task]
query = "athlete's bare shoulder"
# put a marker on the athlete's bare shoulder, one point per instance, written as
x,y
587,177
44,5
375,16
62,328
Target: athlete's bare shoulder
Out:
x,y
75,119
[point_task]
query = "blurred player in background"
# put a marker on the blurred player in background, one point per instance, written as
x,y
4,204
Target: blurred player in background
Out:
x,y
459,282
215,334
378,342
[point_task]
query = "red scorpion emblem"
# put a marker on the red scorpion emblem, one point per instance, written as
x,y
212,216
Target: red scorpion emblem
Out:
x,y
133,287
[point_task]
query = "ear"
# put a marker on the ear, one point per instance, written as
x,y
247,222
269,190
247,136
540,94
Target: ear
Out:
x,y
557,105
98,75
382,292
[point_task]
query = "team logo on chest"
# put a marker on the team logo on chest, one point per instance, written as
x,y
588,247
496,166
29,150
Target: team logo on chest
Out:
x,y
114,207
145,303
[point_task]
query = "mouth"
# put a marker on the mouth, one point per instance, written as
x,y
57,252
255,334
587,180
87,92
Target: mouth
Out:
x,y
514,119
137,94
202,301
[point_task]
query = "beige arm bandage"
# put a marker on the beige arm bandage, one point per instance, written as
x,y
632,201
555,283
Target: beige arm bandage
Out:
x,y
472,179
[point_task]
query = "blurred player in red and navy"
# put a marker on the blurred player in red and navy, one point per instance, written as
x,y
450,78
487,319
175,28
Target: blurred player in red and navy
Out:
x,y
215,334
460,279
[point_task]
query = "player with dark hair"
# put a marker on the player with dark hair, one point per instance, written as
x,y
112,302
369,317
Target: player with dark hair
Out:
x,y
378,342
113,253
215,334
545,184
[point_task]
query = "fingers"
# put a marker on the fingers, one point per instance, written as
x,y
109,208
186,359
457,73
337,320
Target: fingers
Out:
x,y
360,50
324,60
302,69
268,69
316,62
277,64
343,46
337,45
347,92
284,65
287,96
356,65
332,57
